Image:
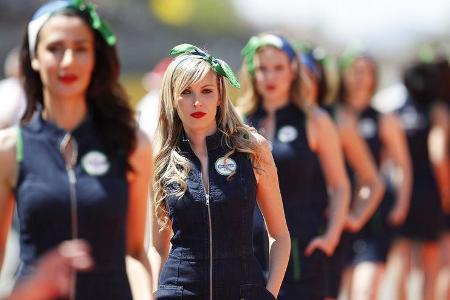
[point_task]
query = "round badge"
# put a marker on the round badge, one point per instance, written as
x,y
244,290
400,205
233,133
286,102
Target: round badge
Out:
x,y
225,166
367,128
95,163
287,134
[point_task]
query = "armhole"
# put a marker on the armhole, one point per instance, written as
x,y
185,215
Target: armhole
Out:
x,y
19,145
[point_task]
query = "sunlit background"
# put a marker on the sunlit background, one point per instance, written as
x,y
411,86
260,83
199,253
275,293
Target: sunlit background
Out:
x,y
393,31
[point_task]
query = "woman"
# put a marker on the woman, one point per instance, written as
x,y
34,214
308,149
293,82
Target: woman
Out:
x,y
384,136
77,167
303,141
209,171
367,185
425,125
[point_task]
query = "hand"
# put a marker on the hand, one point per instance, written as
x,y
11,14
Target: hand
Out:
x,y
325,243
352,224
397,215
54,271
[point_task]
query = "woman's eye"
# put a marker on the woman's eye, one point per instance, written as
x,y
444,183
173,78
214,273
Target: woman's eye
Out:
x,y
186,92
54,49
279,68
207,91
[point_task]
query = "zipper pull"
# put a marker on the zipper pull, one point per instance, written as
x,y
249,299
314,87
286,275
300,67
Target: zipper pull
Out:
x,y
207,199
71,174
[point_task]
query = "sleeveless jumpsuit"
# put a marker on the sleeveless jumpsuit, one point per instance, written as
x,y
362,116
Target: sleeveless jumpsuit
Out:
x,y
296,165
44,204
212,248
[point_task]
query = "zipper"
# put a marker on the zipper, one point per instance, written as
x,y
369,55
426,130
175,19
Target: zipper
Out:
x,y
210,237
70,164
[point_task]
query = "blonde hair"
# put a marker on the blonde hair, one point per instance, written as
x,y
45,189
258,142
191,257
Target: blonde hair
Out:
x,y
250,100
171,168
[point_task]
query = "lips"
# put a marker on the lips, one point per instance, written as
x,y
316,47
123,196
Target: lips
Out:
x,y
198,114
271,87
68,78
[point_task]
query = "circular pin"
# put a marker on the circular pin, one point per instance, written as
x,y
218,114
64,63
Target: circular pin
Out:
x,y
225,166
367,128
287,134
95,163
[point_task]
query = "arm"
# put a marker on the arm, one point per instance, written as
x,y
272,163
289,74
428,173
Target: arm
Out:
x,y
159,247
438,143
139,182
8,180
394,140
325,141
358,156
269,200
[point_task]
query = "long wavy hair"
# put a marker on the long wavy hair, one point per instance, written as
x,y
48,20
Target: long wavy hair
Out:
x,y
107,101
250,99
171,168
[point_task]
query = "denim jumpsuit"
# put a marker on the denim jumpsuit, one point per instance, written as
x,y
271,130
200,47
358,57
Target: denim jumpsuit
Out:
x,y
296,165
43,197
212,252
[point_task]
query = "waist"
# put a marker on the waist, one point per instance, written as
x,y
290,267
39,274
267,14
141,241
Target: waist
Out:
x,y
203,253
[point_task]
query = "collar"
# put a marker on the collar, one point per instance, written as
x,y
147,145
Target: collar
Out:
x,y
213,142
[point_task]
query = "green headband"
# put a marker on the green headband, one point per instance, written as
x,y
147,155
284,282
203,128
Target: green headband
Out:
x,y
220,67
96,21
256,42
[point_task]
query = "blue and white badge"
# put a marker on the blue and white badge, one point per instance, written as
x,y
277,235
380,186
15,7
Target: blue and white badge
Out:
x,y
367,128
287,134
225,166
95,163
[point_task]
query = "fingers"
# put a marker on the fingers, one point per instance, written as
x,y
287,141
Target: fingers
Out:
x,y
77,254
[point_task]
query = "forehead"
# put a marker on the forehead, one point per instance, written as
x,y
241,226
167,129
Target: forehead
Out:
x,y
65,28
271,55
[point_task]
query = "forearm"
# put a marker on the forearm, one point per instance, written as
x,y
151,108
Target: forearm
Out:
x,y
157,260
279,252
365,205
339,200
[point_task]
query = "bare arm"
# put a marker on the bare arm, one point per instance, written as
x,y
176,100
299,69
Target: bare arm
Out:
x,y
139,186
324,139
370,186
438,143
271,205
8,179
394,140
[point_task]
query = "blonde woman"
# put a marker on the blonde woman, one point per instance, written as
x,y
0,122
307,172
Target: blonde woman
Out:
x,y
209,171
304,141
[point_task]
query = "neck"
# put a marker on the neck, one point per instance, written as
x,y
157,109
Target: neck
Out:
x,y
197,138
358,101
66,113
271,105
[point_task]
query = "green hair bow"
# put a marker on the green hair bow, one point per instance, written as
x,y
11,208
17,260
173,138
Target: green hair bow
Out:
x,y
97,22
220,67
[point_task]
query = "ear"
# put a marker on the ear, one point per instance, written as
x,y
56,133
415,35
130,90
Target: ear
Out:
x,y
294,66
35,64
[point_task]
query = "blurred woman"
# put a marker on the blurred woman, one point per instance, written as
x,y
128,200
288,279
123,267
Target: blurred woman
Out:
x,y
77,167
367,184
426,134
303,140
210,171
384,136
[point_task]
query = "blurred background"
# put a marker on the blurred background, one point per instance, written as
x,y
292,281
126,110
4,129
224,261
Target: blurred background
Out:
x,y
393,31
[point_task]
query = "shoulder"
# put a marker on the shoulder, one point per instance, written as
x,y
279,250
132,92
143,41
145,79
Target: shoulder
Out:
x,y
320,119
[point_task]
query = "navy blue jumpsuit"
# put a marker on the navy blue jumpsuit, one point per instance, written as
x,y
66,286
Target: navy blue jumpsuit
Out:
x,y
44,210
372,242
425,217
212,248
296,165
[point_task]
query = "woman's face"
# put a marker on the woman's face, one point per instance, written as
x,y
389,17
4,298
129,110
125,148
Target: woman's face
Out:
x,y
197,104
273,73
65,56
359,79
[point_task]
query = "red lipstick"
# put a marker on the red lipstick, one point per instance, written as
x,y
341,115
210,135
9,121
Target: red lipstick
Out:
x,y
68,78
198,114
271,87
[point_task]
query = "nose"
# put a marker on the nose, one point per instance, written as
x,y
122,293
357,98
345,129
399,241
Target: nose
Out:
x,y
68,58
197,102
